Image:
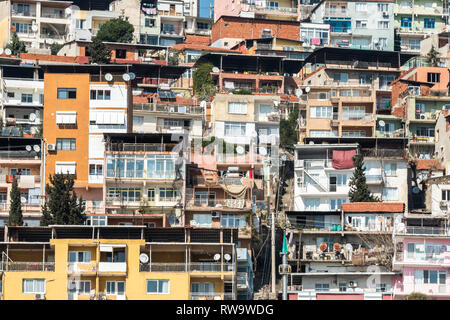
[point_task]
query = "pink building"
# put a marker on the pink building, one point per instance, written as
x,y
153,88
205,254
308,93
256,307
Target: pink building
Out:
x,y
424,261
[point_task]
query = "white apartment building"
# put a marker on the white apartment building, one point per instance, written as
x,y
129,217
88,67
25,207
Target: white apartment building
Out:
x,y
85,24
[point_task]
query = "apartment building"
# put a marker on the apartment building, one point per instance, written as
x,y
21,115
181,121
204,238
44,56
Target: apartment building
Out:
x,y
343,255
121,263
275,10
22,100
348,88
38,23
414,20
288,48
81,104
195,25
144,182
358,24
20,158
315,35
84,24
418,95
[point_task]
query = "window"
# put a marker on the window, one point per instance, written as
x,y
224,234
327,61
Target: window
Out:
x,y
168,28
433,77
390,194
100,95
383,24
115,288
65,144
233,221
22,27
361,24
125,166
81,287
151,195
320,112
429,5
428,23
336,204
121,53
65,167
406,4
237,108
157,286
80,256
124,194
446,195
430,276
322,286
265,109
381,287
80,24
96,221
21,171
406,22
11,94
425,132
414,44
150,23
204,289
390,169
33,286
27,98
312,204
341,179
161,166
340,76
66,117
114,254
203,25
323,133
235,129
205,198
96,170
382,7
23,8
203,220
353,113
67,93
361,6
168,194
342,286
354,133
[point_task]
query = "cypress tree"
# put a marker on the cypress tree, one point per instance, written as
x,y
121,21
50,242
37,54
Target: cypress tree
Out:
x,y
15,210
359,190
63,206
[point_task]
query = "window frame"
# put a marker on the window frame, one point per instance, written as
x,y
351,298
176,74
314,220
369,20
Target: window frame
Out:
x,y
157,286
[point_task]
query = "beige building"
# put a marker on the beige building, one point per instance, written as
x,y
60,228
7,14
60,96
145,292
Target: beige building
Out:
x,y
442,140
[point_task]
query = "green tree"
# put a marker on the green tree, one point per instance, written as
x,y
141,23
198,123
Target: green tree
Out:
x,y
16,46
62,205
203,83
55,47
288,130
116,30
15,210
359,190
99,52
433,57
416,296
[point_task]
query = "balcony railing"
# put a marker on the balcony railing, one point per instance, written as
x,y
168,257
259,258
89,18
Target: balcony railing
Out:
x,y
336,13
374,178
384,153
172,108
54,15
218,203
259,8
73,267
187,267
135,147
211,296
23,13
427,230
28,266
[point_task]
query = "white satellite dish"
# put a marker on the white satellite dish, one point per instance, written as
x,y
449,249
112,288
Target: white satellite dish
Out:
x,y
311,142
262,151
34,28
217,257
240,150
36,148
108,77
1,51
126,77
32,117
8,51
143,258
28,148
227,257
381,123
298,92
215,69
132,76
23,199
203,104
50,41
313,46
283,158
307,89
276,103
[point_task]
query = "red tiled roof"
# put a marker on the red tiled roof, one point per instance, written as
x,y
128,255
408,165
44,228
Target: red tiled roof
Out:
x,y
372,207
425,164
53,58
201,47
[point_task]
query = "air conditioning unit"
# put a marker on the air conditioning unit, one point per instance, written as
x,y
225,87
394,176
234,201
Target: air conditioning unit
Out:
x,y
39,296
51,147
353,284
443,203
215,214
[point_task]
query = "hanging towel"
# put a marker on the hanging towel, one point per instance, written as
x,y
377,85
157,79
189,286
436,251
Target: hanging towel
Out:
x,y
343,159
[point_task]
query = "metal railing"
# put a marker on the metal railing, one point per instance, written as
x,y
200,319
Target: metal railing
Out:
x,y
335,13
374,178
187,267
28,266
384,153
172,108
54,15
273,9
365,117
427,230
143,147
228,203
23,13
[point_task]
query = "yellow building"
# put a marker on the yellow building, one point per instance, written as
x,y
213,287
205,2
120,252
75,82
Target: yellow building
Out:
x,y
117,263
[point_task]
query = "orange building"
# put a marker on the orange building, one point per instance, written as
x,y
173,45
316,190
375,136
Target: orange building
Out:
x,y
80,105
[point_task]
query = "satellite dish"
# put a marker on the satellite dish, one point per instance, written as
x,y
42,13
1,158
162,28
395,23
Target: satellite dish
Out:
x,y
34,28
262,151
227,257
298,92
283,158
50,41
23,199
254,134
276,103
216,257
203,104
36,148
416,190
381,123
307,89
143,258
132,76
126,77
311,142
1,51
108,77
240,150
32,117
8,52
215,69
28,148
313,46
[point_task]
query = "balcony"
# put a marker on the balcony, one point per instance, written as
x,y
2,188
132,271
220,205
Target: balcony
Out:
x,y
259,9
9,178
335,13
17,13
81,268
219,203
172,108
374,179
426,231
112,267
211,296
54,15
28,266
242,281
433,290
187,267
